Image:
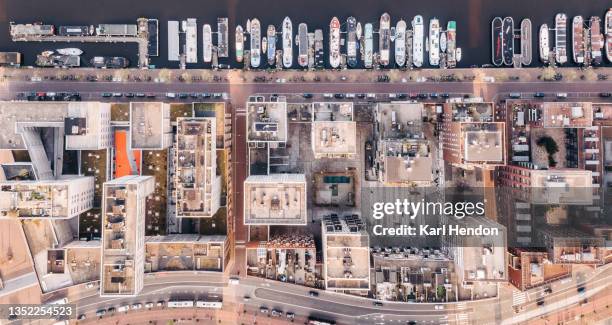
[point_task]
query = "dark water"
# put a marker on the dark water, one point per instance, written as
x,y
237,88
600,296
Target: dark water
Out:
x,y
473,19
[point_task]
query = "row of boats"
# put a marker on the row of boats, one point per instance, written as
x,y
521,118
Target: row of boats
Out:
x,y
71,57
588,43
410,44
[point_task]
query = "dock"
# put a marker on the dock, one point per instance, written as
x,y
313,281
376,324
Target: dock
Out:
x,y
222,37
105,33
526,53
10,59
190,27
173,40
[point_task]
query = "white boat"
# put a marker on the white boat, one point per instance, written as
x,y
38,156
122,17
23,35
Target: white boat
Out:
x,y
417,43
434,42
358,31
400,43
384,38
544,43
302,38
70,51
255,43
561,38
608,32
207,42
239,43
287,43
351,44
334,43
271,33
458,54
264,45
443,42
368,46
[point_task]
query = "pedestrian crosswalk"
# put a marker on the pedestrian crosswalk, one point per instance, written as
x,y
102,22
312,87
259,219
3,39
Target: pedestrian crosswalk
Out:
x,y
518,298
463,318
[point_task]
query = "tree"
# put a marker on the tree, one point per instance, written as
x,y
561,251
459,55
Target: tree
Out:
x,y
551,148
441,291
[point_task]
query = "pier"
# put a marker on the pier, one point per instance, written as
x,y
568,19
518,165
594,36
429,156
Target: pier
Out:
x,y
141,38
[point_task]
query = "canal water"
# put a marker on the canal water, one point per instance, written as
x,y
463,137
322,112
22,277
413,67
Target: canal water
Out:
x,y
473,20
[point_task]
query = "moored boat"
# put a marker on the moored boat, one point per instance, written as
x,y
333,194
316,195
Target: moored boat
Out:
x,y
578,42
334,43
352,42
497,41
384,38
597,40
302,38
255,38
544,43
400,43
207,43
368,52
271,34
561,38
434,42
417,42
70,51
287,43
239,43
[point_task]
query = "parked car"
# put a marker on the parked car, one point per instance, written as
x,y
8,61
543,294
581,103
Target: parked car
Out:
x,y
263,310
100,312
313,293
439,307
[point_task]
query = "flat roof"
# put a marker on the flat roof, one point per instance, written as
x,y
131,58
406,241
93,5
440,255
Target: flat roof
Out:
x,y
567,114
276,199
332,111
469,111
52,114
569,186
400,120
149,125
196,167
483,142
266,121
185,238
407,161
334,138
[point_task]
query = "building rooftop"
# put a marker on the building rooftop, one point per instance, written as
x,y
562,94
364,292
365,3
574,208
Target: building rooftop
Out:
x,y
150,125
123,214
266,121
469,112
185,238
46,198
332,111
88,123
567,114
483,142
346,253
406,161
196,182
400,120
276,199
562,186
332,139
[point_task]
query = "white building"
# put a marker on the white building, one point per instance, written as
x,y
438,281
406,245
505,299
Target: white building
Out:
x,y
123,230
63,198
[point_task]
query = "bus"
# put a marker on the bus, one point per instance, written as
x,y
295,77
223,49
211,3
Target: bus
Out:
x,y
320,321
62,301
180,304
209,304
